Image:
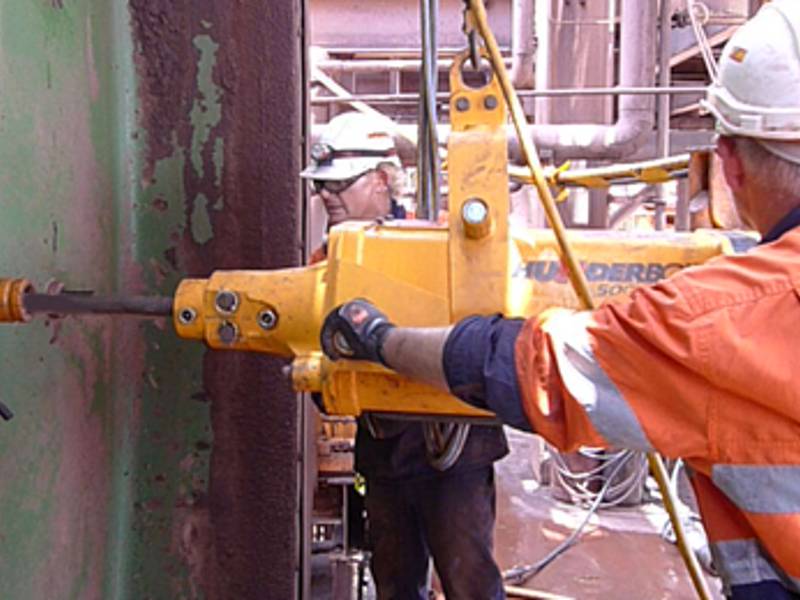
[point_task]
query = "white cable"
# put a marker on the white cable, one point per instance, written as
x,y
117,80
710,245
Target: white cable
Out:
x,y
521,574
578,484
697,12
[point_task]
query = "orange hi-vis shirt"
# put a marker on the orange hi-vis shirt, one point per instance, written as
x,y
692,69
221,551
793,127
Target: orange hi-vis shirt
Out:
x,y
703,366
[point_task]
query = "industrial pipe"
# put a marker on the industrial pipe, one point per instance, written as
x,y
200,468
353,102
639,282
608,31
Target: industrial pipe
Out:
x,y
404,97
635,114
357,65
523,44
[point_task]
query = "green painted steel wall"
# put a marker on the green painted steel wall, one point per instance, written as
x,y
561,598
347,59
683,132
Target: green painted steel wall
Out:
x,y
105,472
106,436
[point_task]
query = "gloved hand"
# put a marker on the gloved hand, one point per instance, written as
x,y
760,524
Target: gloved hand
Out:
x,y
356,331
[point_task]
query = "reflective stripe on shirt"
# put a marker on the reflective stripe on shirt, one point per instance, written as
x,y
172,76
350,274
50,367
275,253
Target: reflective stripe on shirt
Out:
x,y
768,489
742,562
586,381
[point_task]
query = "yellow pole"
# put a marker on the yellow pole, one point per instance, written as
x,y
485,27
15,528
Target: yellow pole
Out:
x,y
576,274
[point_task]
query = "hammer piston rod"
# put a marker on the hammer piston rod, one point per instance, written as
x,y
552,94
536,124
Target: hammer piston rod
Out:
x,y
73,303
19,302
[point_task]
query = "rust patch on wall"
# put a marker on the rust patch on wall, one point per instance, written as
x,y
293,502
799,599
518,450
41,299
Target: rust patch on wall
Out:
x,y
242,541
163,57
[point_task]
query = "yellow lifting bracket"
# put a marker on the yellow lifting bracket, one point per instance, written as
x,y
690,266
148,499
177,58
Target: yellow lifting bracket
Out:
x,y
478,249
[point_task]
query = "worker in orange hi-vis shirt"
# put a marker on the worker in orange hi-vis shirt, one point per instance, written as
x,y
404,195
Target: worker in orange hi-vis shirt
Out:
x,y
703,366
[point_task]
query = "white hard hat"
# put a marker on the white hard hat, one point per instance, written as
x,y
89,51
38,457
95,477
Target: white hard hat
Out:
x,y
757,92
352,144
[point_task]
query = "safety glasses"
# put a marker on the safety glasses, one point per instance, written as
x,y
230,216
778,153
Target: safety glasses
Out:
x,y
334,186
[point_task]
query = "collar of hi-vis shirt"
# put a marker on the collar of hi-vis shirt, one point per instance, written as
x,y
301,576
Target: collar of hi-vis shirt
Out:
x,y
397,210
789,221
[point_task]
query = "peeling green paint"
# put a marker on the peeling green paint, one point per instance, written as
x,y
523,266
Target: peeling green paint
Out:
x,y
56,204
160,220
218,156
206,111
201,221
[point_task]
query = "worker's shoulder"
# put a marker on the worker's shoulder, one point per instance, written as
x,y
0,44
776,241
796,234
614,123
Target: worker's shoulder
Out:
x,y
762,274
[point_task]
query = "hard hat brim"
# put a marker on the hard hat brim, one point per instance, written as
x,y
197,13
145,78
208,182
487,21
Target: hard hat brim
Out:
x,y
739,118
346,168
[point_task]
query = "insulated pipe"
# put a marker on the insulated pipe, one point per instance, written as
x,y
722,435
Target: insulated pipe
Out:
x,y
523,44
635,116
380,65
636,113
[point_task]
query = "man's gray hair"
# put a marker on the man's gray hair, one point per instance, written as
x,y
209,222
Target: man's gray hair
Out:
x,y
396,179
769,171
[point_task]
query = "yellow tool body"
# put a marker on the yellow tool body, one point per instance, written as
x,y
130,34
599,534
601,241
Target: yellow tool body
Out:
x,y
408,269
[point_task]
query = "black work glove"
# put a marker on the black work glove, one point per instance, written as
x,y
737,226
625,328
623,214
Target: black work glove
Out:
x,y
355,331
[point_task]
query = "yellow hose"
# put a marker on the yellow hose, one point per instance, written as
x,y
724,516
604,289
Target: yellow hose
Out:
x,y
576,275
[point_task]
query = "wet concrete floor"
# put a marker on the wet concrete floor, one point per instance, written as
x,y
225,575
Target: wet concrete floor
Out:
x,y
620,556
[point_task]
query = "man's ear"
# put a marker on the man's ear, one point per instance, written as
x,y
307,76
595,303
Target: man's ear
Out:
x,y
383,175
732,165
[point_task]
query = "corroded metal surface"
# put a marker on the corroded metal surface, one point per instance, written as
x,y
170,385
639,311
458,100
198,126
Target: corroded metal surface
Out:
x,y
231,123
143,142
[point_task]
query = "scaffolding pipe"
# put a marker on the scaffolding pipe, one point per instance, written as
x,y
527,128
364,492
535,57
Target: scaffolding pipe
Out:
x,y
523,44
664,80
380,65
553,93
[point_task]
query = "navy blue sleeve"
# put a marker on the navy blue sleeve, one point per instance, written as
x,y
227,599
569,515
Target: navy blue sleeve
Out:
x,y
764,590
479,366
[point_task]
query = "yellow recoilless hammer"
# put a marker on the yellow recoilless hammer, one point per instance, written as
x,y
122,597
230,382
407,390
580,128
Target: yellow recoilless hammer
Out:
x,y
420,273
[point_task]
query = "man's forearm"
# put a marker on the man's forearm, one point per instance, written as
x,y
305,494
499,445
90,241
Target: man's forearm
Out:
x,y
417,353
473,360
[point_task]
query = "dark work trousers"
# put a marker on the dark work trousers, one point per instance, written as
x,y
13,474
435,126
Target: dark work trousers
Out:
x,y
449,518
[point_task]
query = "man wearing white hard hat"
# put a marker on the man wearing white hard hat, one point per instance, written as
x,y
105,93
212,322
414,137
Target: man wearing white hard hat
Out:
x,y
425,500
354,169
704,365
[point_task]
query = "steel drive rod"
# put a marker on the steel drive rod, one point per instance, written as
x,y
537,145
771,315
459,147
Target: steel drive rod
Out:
x,y
71,303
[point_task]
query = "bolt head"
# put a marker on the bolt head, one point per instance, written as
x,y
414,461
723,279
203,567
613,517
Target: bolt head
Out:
x,y
227,302
268,319
474,211
490,102
227,332
186,316
462,104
